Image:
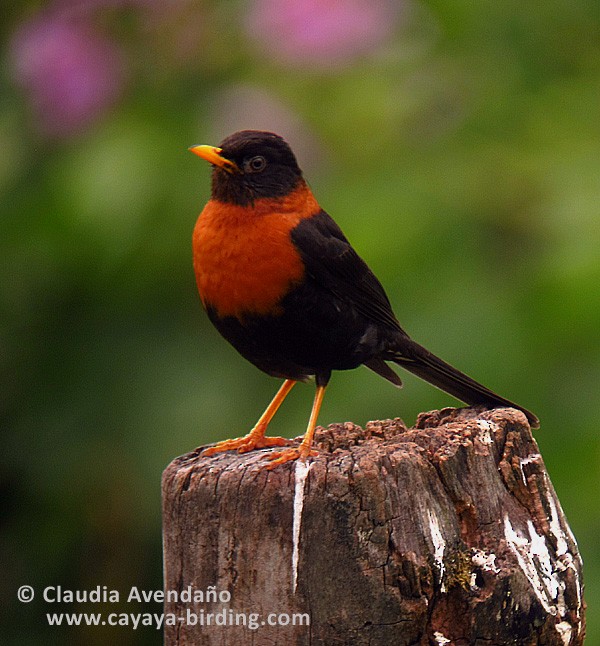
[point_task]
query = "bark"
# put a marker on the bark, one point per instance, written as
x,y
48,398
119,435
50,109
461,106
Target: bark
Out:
x,y
446,533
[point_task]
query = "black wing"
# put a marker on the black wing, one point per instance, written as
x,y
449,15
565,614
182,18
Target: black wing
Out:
x,y
332,263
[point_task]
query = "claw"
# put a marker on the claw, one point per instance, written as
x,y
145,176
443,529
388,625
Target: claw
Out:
x,y
256,438
281,457
244,444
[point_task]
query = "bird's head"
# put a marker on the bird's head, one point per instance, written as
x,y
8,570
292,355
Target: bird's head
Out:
x,y
250,165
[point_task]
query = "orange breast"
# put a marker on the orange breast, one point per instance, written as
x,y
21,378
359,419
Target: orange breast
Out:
x,y
244,258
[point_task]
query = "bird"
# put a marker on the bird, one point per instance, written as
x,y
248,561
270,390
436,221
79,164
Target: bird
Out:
x,y
283,285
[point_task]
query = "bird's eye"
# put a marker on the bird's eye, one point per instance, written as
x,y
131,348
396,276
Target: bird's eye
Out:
x,y
255,164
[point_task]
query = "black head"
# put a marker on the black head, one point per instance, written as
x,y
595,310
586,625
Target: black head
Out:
x,y
250,165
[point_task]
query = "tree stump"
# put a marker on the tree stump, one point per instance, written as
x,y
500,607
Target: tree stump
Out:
x,y
446,533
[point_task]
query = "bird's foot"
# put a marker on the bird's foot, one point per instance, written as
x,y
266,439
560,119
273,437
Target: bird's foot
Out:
x,y
288,455
254,440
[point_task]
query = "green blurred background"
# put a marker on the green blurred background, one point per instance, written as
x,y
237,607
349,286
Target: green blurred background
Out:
x,y
458,146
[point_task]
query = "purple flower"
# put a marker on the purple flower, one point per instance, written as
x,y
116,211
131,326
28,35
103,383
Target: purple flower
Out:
x,y
320,32
71,73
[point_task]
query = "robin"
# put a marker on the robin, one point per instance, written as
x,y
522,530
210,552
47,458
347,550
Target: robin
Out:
x,y
280,281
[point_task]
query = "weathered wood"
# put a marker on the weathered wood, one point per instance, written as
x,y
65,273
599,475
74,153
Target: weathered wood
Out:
x,y
446,533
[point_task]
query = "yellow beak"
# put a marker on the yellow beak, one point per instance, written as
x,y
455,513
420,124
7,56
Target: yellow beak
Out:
x,y
213,156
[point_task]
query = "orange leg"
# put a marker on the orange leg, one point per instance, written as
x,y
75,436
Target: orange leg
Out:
x,y
256,438
305,449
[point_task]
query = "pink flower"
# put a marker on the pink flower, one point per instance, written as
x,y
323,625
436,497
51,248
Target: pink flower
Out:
x,y
71,73
320,32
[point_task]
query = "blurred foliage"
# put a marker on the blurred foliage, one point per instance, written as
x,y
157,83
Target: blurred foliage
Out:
x,y
458,146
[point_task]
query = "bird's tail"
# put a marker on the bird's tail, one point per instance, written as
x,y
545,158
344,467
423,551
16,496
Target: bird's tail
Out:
x,y
427,366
